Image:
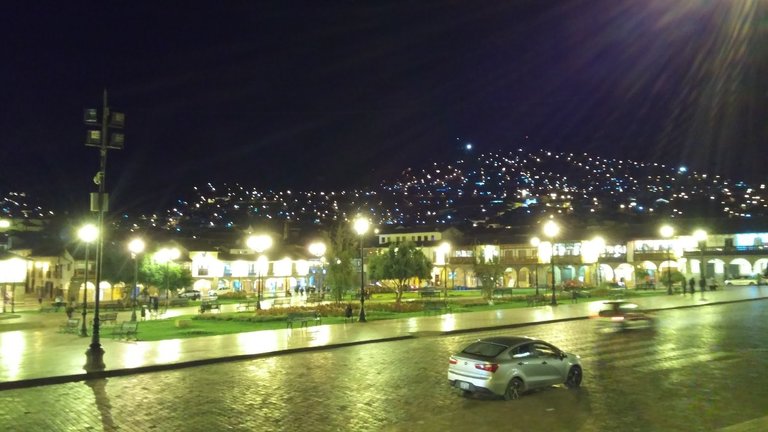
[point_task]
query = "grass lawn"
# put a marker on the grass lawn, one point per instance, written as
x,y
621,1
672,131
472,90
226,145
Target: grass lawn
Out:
x,y
187,326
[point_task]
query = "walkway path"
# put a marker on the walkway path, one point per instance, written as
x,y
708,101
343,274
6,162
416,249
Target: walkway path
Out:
x,y
33,352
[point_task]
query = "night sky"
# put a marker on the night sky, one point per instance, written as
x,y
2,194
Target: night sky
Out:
x,y
323,95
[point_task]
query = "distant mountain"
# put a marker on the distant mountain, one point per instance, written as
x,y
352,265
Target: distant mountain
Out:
x,y
489,189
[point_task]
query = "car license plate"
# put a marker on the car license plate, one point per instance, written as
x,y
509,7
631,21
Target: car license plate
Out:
x,y
463,385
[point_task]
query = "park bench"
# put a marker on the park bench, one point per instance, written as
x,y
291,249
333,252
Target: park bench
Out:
x,y
303,318
112,306
431,307
109,318
429,294
248,305
533,300
71,326
209,306
281,301
314,298
179,301
500,293
126,330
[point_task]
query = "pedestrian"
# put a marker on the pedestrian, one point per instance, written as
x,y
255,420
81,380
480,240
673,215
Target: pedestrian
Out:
x,y
348,312
692,284
69,310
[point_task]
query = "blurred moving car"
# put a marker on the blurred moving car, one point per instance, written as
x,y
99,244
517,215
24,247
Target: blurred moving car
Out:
x,y
510,365
190,294
624,314
742,281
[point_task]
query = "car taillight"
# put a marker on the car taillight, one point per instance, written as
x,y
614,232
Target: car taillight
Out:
x,y
488,367
452,361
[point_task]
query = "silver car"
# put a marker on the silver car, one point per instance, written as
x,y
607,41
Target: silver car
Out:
x,y
509,366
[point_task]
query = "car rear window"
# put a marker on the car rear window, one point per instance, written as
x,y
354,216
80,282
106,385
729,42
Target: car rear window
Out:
x,y
484,349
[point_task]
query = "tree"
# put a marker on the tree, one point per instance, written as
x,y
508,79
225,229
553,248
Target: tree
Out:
x,y
489,271
674,277
396,266
160,275
340,275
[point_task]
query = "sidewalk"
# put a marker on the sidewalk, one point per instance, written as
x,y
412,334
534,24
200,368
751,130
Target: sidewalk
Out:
x,y
32,352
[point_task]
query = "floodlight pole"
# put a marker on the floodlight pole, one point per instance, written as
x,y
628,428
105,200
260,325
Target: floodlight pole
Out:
x,y
95,353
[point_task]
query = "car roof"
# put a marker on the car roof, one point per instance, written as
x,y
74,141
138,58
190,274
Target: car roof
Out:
x,y
508,340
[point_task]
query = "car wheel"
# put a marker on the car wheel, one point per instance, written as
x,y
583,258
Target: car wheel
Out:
x,y
574,377
514,388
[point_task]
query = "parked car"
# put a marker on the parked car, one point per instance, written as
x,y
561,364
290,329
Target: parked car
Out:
x,y
623,315
511,365
742,281
190,294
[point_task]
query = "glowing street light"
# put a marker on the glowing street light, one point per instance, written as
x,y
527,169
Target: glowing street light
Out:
x,y
667,232
136,246
259,243
361,226
88,233
551,230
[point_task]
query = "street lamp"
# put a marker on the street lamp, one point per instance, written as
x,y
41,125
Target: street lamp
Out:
x,y
667,232
535,242
104,135
361,227
551,229
259,243
318,250
445,249
87,234
136,246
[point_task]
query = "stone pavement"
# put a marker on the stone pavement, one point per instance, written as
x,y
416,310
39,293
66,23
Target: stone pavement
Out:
x,y
33,352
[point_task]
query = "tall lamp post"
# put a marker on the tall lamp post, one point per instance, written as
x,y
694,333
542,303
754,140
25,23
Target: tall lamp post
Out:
x,y
87,234
535,242
318,250
551,229
105,137
445,249
667,232
136,246
361,227
259,243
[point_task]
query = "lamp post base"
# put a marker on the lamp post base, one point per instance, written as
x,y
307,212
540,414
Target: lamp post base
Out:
x,y
94,358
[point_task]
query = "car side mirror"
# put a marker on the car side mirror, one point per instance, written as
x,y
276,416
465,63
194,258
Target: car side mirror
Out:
x,y
563,355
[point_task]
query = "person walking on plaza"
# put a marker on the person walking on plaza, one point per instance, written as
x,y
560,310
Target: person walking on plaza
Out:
x,y
691,284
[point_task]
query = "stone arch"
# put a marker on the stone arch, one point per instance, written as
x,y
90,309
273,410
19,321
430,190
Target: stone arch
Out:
x,y
605,273
524,278
738,267
511,278
760,266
